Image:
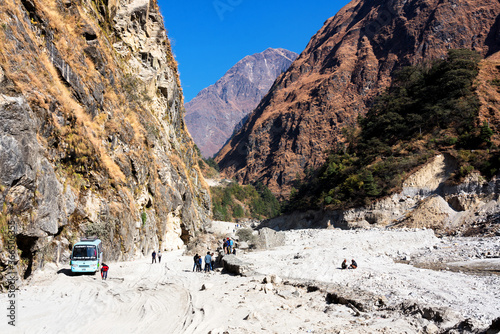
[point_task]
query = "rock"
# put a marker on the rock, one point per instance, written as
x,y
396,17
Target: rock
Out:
x,y
275,279
442,315
234,265
382,301
495,327
243,245
268,238
431,329
207,286
286,294
358,300
217,331
466,326
252,316
268,287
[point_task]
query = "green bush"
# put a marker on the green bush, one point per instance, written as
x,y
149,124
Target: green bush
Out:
x,y
246,235
97,229
423,99
259,201
212,163
238,211
485,133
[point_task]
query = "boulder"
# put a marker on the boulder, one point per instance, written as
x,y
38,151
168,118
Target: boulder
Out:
x,y
235,266
268,238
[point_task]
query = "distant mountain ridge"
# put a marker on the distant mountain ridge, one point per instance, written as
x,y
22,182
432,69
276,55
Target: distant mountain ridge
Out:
x,y
213,114
346,64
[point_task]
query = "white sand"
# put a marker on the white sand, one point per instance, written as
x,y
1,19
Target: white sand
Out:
x,y
140,297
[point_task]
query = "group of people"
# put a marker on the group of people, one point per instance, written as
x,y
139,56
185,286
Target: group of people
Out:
x,y
228,246
154,255
209,262
353,264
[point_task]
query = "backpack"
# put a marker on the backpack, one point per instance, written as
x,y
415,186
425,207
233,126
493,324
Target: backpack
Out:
x,y
231,242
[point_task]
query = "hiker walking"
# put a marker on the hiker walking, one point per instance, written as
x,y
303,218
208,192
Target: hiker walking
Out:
x,y
104,271
159,256
153,260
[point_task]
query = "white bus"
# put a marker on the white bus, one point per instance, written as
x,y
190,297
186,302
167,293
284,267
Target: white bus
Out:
x,y
86,256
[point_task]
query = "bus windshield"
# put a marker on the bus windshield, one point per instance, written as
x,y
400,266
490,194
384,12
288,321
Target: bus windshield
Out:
x,y
84,252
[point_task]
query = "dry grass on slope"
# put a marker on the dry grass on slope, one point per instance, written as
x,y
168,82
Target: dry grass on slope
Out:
x,y
35,75
488,91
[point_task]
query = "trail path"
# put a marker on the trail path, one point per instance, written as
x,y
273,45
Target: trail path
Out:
x,y
140,297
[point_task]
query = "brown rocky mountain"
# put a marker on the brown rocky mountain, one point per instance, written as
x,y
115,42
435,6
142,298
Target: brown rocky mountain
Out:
x,y
348,62
213,114
92,139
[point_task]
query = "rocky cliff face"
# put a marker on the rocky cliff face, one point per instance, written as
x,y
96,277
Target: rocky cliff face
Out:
x,y
213,114
92,138
426,201
350,60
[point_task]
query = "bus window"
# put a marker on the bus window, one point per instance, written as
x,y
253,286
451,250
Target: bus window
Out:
x,y
84,252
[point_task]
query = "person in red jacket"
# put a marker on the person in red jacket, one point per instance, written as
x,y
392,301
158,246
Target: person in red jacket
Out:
x,y
104,271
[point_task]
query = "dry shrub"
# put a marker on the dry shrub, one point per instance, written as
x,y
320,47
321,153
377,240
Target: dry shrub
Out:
x,y
131,118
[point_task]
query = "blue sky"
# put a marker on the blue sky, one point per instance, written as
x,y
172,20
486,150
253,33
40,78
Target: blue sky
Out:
x,y
210,36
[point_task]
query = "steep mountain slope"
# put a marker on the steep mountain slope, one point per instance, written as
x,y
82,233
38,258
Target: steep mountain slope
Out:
x,y
92,139
488,91
213,114
350,60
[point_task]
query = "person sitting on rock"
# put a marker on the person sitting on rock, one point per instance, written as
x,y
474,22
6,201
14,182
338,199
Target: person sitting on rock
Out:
x,y
344,264
353,265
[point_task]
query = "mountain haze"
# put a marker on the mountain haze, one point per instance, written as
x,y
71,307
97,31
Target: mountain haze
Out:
x,y
346,64
213,114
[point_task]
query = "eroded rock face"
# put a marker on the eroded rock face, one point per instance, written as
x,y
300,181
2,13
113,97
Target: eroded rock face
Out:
x,y
350,60
427,200
92,139
213,114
